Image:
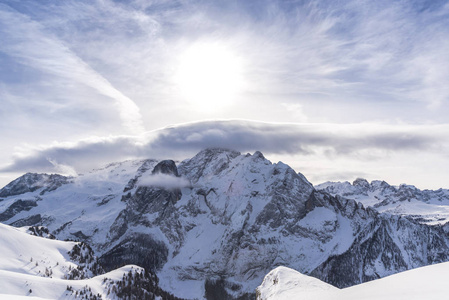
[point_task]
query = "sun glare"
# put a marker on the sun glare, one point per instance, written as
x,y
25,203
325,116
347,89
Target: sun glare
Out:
x,y
209,76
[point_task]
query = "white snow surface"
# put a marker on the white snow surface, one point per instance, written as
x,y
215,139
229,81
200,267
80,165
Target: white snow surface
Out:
x,y
24,258
428,283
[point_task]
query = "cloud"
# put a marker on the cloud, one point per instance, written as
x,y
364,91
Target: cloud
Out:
x,y
298,138
62,169
322,60
352,52
332,175
28,42
358,141
163,181
82,155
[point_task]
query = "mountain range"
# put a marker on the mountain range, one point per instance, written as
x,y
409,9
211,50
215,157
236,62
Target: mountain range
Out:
x,y
212,226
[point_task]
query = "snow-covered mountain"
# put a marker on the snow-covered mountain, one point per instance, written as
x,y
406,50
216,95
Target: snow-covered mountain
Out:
x,y
426,206
428,283
214,225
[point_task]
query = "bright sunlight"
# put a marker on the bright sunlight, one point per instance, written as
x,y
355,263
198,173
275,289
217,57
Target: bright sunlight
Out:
x,y
209,76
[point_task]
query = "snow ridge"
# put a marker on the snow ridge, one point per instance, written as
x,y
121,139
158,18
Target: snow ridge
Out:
x,y
423,283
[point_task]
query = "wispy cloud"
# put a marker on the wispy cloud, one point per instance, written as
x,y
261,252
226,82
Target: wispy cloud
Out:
x,y
323,55
28,41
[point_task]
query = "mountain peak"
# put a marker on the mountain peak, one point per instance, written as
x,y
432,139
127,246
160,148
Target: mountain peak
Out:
x,y
258,155
361,182
213,151
166,167
31,182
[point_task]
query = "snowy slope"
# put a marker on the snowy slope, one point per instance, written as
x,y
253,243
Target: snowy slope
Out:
x,y
285,283
38,264
426,206
77,207
26,254
428,283
36,267
18,284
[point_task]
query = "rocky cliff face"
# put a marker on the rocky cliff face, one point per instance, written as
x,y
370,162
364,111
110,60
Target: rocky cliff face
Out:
x,y
215,224
383,244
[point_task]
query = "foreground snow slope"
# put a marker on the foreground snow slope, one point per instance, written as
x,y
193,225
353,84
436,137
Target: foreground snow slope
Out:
x,y
35,266
31,255
428,283
13,284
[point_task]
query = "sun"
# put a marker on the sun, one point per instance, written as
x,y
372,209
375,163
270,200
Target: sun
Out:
x,y
209,76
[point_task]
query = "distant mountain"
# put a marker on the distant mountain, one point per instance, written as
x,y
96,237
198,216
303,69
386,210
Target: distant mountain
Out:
x,y
426,206
214,225
428,283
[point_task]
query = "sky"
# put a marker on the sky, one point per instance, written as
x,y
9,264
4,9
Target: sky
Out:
x,y
337,89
